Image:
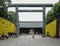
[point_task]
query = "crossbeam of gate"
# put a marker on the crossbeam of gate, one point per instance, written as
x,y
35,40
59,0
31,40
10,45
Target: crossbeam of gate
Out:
x,y
30,5
30,10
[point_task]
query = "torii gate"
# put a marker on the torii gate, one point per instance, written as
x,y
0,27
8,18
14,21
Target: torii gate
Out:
x,y
30,5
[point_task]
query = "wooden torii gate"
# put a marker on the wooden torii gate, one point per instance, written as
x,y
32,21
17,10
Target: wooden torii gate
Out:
x,y
30,5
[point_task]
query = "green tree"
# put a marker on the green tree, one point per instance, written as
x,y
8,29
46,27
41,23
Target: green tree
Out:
x,y
12,16
3,8
50,16
3,3
57,9
53,13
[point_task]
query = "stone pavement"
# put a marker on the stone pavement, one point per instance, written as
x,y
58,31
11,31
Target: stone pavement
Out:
x,y
38,40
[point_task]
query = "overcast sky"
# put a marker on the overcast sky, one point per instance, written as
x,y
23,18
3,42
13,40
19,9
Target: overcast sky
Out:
x,y
31,16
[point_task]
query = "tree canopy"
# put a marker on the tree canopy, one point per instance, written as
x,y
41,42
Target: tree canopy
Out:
x,y
57,9
12,16
53,13
4,2
50,16
3,8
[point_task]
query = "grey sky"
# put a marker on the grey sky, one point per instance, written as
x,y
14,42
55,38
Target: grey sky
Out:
x,y
35,16
34,1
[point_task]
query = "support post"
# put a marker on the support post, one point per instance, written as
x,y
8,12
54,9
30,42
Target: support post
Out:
x,y
43,32
17,22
